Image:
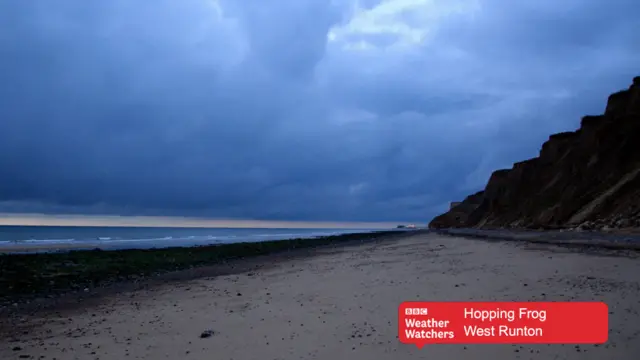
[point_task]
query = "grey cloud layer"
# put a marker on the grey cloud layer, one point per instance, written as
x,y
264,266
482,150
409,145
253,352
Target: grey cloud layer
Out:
x,y
245,109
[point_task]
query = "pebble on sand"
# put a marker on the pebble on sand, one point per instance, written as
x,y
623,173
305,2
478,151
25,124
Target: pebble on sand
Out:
x,y
207,333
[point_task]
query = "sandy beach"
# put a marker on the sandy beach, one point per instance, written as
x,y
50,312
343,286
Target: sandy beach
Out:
x,y
338,303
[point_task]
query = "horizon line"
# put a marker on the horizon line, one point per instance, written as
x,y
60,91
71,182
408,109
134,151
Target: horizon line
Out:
x,y
38,219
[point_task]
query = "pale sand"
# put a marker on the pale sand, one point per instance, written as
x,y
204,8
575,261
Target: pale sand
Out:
x,y
342,304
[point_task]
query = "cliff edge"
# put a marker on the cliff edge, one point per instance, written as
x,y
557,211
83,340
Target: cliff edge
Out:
x,y
588,178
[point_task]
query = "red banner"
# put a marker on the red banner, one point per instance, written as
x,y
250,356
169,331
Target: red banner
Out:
x,y
423,323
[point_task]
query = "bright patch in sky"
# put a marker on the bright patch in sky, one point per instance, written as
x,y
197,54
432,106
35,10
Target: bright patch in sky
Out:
x,y
406,22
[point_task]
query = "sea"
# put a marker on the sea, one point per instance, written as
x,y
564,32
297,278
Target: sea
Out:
x,y
115,238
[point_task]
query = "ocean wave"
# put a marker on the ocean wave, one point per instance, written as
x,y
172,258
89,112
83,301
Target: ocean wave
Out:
x,y
182,240
47,241
37,241
271,235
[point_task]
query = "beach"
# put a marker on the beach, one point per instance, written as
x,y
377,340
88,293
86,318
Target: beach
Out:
x,y
335,303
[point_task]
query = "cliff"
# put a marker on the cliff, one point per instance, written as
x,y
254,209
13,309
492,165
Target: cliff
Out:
x,y
589,178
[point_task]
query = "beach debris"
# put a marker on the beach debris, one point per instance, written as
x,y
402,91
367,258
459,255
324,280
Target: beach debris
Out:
x,y
206,334
16,348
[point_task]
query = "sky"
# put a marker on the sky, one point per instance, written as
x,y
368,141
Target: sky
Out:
x,y
296,110
177,221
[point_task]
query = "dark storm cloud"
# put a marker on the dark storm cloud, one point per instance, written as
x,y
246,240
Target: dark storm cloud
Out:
x,y
287,37
295,109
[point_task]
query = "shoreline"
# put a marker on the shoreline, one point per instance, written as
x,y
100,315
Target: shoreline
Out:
x,y
69,242
150,267
29,281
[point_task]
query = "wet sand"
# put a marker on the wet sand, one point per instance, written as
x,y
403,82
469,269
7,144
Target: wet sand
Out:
x,y
340,303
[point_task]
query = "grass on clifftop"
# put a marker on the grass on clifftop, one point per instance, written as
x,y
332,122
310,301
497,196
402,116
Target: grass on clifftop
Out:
x,y
48,273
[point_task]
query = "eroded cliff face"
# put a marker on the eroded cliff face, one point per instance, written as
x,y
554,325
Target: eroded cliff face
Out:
x,y
589,178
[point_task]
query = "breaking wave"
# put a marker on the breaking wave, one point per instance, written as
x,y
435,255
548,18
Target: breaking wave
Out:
x,y
214,236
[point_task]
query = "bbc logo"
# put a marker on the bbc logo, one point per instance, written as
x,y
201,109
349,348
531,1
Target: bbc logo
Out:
x,y
416,311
